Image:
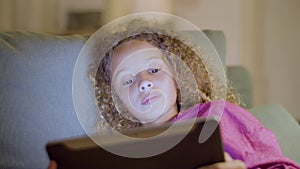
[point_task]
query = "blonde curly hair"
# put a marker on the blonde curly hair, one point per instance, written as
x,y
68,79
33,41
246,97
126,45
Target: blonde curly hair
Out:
x,y
188,94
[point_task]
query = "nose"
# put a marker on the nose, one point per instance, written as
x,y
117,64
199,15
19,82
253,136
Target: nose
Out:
x,y
145,86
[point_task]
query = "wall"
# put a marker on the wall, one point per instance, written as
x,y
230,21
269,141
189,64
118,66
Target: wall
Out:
x,y
261,34
218,15
282,53
42,15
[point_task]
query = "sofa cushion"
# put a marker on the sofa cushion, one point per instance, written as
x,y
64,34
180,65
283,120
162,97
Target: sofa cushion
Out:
x,y
36,96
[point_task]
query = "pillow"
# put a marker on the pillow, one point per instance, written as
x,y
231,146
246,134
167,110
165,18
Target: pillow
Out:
x,y
36,95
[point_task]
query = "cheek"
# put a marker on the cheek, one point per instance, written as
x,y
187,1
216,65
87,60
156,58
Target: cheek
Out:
x,y
168,84
123,95
132,94
128,96
172,90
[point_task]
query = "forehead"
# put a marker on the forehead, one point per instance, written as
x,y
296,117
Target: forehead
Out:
x,y
132,48
129,47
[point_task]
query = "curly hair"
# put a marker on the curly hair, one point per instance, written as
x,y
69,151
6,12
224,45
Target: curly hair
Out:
x,y
188,94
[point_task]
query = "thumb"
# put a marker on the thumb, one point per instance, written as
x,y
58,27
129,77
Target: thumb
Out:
x,y
227,157
52,165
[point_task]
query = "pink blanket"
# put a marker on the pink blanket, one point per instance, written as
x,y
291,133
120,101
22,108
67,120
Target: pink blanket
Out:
x,y
244,137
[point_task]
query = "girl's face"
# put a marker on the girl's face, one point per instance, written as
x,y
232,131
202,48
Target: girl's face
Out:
x,y
143,81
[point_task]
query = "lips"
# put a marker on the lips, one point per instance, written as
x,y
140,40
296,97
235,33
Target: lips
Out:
x,y
149,99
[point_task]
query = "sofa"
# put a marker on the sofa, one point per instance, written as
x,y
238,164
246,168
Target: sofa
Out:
x,y
36,97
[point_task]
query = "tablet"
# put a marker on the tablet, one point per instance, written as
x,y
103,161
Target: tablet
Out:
x,y
189,153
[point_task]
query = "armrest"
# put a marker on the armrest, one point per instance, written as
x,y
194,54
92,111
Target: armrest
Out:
x,y
284,126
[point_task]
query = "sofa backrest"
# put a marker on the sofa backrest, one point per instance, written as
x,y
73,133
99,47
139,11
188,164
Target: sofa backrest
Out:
x,y
36,94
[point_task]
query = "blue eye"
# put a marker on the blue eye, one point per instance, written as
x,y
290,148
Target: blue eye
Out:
x,y
129,82
154,70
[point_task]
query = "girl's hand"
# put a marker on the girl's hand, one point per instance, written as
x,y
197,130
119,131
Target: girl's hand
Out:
x,y
229,164
52,165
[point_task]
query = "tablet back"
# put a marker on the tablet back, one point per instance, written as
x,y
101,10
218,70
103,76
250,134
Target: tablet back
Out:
x,y
187,154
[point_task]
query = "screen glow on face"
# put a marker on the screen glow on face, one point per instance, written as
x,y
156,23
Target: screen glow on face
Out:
x,y
144,83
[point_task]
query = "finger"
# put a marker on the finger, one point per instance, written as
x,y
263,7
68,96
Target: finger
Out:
x,y
227,157
52,165
235,164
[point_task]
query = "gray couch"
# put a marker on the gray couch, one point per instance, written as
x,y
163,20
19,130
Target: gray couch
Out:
x,y
36,97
